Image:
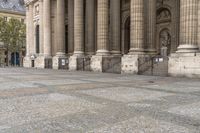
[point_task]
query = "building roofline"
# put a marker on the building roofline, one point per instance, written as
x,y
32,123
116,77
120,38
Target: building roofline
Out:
x,y
27,2
13,12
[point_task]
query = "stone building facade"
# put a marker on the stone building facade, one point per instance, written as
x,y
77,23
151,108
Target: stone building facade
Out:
x,y
12,9
121,36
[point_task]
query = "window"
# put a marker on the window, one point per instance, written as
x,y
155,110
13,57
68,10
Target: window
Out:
x,y
36,9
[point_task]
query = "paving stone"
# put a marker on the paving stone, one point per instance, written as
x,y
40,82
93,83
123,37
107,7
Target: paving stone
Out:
x,y
125,94
191,110
51,101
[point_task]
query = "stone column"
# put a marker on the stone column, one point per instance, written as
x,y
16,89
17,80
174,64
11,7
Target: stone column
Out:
x,y
29,35
78,55
151,26
59,61
103,61
47,28
115,26
186,61
90,27
130,63
28,18
60,28
31,30
70,27
199,24
41,28
102,27
78,27
137,26
188,26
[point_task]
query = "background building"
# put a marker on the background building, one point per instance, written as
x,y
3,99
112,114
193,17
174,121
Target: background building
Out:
x,y
157,37
12,9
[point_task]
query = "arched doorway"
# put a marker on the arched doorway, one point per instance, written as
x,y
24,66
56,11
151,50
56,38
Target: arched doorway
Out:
x,y
37,31
127,35
164,31
15,60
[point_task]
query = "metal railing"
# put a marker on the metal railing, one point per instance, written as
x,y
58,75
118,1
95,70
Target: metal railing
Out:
x,y
148,63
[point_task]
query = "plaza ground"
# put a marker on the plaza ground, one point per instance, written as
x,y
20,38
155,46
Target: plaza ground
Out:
x,y
57,101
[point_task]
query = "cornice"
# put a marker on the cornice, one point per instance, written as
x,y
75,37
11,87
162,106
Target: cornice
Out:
x,y
28,2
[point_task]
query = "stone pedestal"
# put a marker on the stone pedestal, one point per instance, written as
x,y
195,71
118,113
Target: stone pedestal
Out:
x,y
27,62
164,51
109,64
60,62
76,63
184,65
130,64
43,62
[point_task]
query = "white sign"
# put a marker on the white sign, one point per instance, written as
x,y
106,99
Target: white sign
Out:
x,y
63,62
161,59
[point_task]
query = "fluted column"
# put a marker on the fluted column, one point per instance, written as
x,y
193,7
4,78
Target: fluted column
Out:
x,y
78,27
137,26
90,27
151,26
30,27
47,27
70,26
115,26
41,28
198,24
28,39
188,26
102,27
60,28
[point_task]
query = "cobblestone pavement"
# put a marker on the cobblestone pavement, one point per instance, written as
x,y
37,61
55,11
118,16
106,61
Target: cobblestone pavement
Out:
x,y
56,101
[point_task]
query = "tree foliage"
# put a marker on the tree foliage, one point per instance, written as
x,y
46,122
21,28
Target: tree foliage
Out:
x,y
12,34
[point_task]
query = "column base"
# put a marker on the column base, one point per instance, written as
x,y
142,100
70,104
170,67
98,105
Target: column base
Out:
x,y
117,53
188,49
27,62
76,62
184,65
103,52
151,51
130,64
43,62
60,62
136,51
108,64
136,64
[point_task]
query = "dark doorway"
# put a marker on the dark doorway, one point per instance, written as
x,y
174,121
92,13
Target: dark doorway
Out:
x,y
37,39
127,36
66,39
15,60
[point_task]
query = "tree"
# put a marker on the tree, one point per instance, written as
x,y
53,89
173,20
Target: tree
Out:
x,y
12,34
